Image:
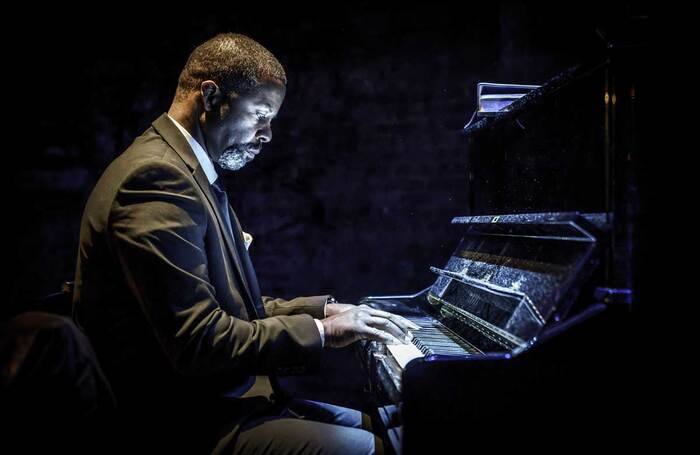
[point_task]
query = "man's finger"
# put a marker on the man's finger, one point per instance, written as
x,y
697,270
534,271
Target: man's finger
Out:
x,y
388,325
395,318
407,323
380,336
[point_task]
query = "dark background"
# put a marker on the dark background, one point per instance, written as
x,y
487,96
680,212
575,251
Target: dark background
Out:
x,y
355,193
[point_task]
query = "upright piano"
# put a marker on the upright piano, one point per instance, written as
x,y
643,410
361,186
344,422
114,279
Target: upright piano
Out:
x,y
517,334
508,287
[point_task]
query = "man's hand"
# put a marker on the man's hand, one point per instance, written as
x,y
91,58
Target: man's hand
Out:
x,y
336,308
365,323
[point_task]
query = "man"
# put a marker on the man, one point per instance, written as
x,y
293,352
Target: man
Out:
x,y
167,293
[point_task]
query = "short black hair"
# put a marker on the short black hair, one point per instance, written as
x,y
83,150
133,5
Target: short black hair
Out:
x,y
235,62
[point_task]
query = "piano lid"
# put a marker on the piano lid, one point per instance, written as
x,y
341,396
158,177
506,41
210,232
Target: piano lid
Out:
x,y
511,274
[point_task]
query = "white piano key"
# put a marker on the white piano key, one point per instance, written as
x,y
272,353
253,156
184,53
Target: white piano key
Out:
x,y
404,353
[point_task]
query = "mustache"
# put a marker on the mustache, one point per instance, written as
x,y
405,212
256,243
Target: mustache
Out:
x,y
249,146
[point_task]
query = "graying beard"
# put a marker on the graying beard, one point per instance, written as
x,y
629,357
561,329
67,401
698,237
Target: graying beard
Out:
x,y
232,160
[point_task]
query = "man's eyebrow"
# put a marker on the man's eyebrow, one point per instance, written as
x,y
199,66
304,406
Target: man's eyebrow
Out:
x,y
269,108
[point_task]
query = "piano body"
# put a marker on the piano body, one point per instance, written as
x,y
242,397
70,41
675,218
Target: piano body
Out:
x,y
525,329
508,287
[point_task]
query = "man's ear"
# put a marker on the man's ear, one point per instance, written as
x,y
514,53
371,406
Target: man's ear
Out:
x,y
211,95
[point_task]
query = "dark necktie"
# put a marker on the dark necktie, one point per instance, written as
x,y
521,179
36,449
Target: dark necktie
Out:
x,y
248,271
222,199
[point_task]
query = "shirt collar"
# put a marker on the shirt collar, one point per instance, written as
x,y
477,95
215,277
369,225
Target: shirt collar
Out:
x,y
199,152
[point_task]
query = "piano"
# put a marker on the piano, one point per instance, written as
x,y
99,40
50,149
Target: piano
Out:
x,y
508,287
524,331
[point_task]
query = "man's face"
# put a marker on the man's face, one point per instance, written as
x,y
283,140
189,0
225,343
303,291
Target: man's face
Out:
x,y
237,127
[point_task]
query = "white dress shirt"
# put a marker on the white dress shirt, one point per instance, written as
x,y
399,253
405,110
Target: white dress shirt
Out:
x,y
212,176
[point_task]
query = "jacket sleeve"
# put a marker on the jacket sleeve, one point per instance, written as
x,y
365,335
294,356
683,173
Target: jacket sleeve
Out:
x,y
313,305
156,230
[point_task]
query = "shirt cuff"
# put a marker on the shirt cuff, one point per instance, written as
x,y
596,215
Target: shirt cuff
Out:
x,y
319,324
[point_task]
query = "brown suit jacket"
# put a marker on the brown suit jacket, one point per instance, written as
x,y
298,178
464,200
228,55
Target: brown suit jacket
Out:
x,y
167,296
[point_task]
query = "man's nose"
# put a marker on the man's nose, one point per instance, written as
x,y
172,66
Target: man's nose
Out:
x,y
264,134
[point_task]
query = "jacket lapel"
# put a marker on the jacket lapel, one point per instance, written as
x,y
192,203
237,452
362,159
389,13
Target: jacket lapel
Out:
x,y
165,127
201,178
253,285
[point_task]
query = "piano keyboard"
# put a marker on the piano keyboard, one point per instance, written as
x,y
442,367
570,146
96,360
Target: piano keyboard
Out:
x,y
433,338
